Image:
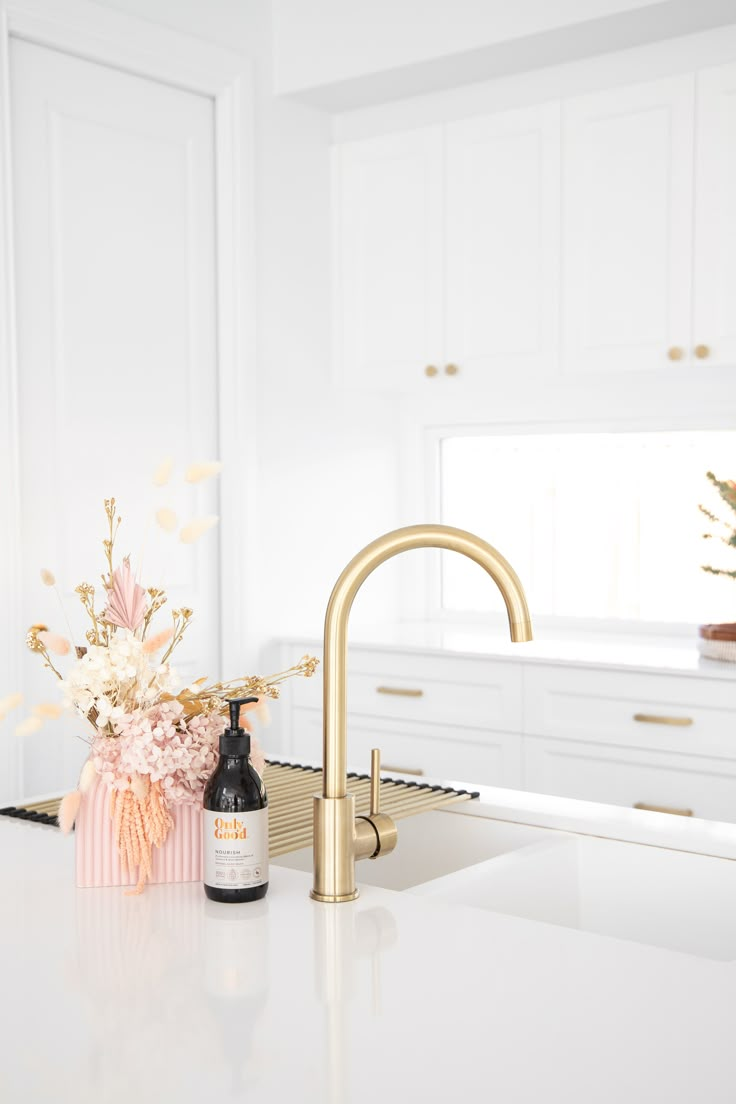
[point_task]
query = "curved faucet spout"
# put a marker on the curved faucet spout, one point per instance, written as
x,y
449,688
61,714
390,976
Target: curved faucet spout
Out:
x,y
340,604
335,669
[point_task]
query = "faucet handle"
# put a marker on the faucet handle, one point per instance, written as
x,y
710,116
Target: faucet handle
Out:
x,y
383,830
375,781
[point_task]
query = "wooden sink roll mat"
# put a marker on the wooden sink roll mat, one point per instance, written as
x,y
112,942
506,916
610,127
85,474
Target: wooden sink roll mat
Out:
x,y
290,789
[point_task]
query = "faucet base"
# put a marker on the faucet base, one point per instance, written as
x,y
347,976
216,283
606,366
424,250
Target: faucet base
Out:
x,y
329,899
334,855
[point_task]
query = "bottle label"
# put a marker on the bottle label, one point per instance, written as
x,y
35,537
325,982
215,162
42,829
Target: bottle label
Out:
x,y
235,849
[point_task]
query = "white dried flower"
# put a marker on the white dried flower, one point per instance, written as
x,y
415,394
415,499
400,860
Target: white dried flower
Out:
x,y
116,679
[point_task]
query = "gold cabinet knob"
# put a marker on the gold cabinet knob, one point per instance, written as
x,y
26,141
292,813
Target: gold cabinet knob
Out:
x,y
702,351
430,370
451,369
675,352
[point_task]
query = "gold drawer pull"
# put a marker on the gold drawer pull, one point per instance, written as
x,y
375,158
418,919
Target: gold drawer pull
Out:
x,y
399,692
662,809
654,718
403,770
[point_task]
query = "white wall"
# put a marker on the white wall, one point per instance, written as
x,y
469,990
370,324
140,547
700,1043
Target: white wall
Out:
x,y
326,468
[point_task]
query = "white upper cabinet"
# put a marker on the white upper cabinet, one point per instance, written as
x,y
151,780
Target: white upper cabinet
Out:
x,y
714,314
627,227
389,259
502,226
596,235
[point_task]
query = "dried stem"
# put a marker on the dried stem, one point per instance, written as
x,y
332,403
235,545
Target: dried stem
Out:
x,y
182,618
214,698
35,645
64,613
158,599
113,522
86,594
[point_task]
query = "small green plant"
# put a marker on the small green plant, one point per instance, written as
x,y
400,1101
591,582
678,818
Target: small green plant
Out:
x,y
726,531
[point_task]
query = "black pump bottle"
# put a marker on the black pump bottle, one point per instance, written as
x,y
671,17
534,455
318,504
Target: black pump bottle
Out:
x,y
235,820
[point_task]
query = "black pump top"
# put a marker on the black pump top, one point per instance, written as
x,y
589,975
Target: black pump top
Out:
x,y
235,704
236,740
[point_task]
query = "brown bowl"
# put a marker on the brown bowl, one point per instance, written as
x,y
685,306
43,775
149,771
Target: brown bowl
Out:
x,y
725,631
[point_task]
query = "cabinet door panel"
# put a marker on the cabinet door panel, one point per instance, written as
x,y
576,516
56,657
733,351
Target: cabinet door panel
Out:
x,y
503,222
439,689
665,713
627,776
461,754
389,259
627,226
714,320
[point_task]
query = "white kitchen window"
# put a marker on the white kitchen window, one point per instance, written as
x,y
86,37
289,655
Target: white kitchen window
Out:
x,y
598,525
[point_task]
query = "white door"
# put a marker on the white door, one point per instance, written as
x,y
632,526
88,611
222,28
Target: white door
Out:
x,y
714,316
389,275
503,219
114,232
627,227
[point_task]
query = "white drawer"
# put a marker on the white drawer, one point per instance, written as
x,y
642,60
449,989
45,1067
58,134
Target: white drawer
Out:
x,y
492,759
436,689
659,712
631,777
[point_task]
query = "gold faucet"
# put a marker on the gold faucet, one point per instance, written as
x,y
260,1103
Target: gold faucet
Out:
x,y
340,838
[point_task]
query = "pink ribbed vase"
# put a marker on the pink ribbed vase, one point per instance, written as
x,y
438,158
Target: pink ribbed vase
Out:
x,y
98,861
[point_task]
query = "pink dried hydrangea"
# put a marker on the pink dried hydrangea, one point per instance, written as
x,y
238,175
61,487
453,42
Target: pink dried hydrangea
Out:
x,y
159,745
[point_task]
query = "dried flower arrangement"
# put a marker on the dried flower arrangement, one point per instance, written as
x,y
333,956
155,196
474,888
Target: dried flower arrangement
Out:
x,y
154,745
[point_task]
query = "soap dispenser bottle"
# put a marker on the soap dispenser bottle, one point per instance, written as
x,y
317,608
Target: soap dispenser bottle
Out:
x,y
235,820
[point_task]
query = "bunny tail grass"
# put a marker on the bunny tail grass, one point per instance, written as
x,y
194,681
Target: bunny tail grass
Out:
x,y
87,776
68,810
192,532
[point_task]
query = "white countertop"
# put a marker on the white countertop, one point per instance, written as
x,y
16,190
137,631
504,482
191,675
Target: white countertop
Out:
x,y
169,998
657,655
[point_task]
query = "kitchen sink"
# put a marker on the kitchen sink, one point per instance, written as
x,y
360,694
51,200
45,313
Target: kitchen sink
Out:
x,y
432,845
651,895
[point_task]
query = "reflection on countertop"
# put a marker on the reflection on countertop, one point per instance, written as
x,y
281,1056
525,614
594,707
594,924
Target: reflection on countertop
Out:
x,y
393,997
